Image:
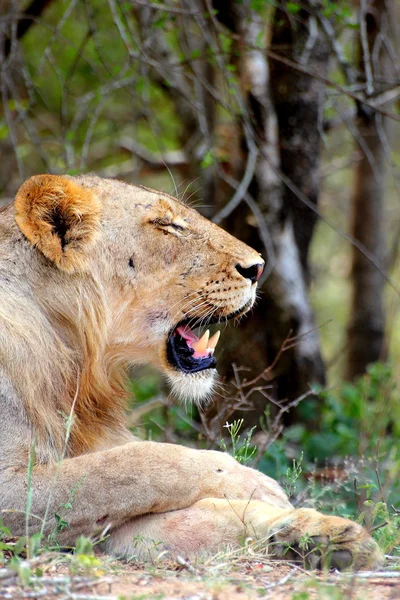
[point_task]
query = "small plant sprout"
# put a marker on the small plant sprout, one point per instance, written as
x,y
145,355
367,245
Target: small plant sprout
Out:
x,y
241,448
292,475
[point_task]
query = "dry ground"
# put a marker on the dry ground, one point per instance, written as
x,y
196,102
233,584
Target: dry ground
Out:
x,y
240,578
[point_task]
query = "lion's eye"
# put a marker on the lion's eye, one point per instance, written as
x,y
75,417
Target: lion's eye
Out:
x,y
176,226
167,225
131,263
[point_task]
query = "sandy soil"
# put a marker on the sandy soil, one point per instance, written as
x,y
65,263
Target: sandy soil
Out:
x,y
240,580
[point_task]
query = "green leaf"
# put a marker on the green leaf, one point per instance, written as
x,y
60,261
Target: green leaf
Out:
x,y
225,41
208,160
260,5
293,8
195,54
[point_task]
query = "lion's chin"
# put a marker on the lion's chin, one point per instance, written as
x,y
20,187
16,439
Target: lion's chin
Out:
x,y
193,387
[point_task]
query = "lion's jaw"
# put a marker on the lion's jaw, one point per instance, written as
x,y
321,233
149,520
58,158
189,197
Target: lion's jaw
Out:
x,y
159,267
156,335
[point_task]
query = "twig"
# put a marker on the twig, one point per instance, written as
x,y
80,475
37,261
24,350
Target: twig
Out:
x,y
142,409
170,8
373,575
327,27
282,581
329,83
357,496
365,48
371,530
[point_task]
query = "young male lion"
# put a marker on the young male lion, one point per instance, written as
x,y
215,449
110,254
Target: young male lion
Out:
x,y
95,275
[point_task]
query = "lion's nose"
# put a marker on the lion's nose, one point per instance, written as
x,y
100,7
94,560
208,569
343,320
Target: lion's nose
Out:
x,y
253,272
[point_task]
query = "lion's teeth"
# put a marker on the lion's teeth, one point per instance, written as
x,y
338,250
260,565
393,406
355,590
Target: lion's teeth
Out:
x,y
201,344
213,341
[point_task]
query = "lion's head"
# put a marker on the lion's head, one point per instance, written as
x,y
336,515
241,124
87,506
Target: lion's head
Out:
x,y
124,274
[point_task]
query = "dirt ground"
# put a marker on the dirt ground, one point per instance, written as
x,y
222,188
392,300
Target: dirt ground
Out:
x,y
238,580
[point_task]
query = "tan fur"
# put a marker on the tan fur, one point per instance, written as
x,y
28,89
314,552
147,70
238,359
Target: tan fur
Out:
x,y
43,200
94,275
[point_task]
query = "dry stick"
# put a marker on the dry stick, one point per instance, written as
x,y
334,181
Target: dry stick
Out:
x,y
329,83
164,72
277,427
327,27
287,344
393,252
311,40
220,59
357,497
352,127
243,187
365,48
168,8
139,411
362,575
241,518
372,529
10,124
56,31
244,394
378,478
24,118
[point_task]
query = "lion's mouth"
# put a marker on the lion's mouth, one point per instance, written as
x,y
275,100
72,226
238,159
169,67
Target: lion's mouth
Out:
x,y
188,352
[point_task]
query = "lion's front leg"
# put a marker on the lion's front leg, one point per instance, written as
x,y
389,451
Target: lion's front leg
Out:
x,y
208,525
119,484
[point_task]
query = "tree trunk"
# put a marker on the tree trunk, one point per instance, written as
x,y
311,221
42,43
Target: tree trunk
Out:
x,y
298,101
365,331
285,129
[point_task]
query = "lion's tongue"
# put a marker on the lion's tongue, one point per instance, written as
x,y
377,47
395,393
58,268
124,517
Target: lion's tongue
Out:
x,y
204,346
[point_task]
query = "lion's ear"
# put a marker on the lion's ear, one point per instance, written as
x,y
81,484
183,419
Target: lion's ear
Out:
x,y
59,217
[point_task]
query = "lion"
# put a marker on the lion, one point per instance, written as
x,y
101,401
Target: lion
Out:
x,y
96,275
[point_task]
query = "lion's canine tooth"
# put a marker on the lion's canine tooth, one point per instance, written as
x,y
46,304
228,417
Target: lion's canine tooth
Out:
x,y
201,344
213,341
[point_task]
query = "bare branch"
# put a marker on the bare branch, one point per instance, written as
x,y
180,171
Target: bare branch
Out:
x,y
25,20
365,48
328,82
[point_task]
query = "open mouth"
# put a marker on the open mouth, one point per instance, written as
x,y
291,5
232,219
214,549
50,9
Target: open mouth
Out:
x,y
188,352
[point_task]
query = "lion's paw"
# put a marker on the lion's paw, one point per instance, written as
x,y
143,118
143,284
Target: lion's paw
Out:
x,y
321,541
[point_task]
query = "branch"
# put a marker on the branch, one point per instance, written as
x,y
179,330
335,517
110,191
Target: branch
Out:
x,y
328,82
25,22
327,27
171,158
242,189
365,48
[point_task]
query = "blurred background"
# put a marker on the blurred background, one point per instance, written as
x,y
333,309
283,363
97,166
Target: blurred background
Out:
x,y
280,121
